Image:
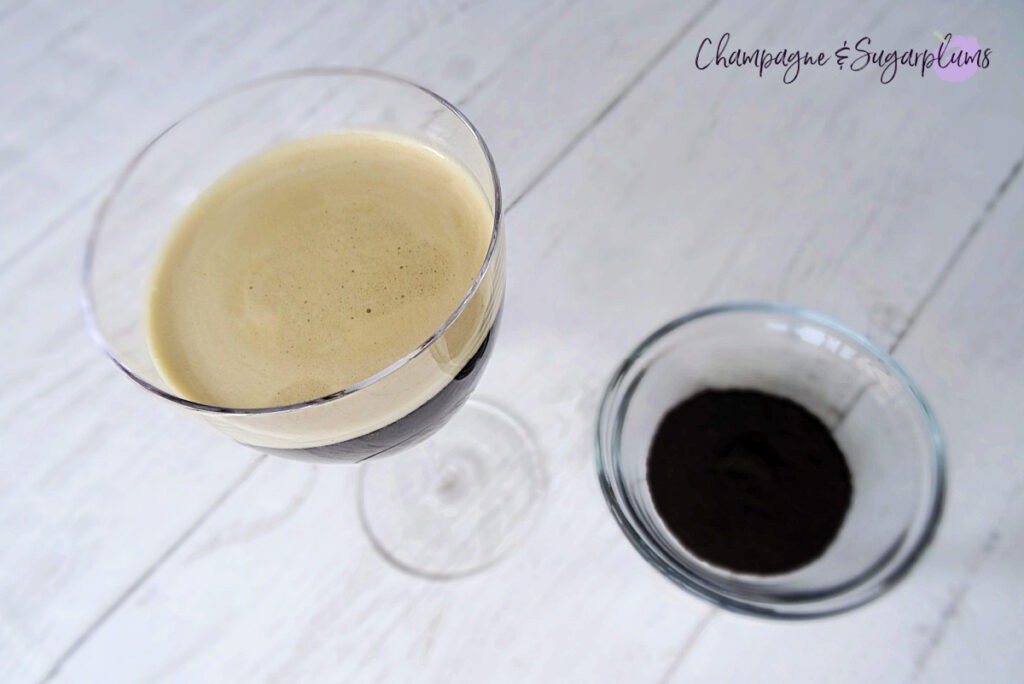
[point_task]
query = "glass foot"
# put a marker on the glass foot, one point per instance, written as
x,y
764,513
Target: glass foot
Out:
x,y
458,502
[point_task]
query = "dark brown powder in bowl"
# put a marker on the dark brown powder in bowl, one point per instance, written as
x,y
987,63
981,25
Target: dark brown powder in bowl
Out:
x,y
748,481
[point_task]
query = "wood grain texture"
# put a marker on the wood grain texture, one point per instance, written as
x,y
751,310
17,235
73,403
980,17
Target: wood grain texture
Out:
x,y
969,343
640,188
84,66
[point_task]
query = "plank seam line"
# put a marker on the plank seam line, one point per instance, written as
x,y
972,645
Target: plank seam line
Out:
x,y
961,248
526,45
688,645
133,588
951,609
51,227
562,154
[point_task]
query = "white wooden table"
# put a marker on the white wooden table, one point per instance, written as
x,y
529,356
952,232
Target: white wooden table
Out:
x,y
137,546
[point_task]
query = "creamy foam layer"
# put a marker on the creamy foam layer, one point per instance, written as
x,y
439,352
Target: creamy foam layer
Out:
x,y
316,265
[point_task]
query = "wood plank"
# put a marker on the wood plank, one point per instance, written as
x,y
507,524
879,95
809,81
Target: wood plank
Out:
x,y
653,212
113,488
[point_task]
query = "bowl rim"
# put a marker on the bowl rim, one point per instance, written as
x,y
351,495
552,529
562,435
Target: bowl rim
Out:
x,y
881,576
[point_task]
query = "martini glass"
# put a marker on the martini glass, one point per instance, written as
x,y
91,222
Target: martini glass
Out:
x,y
452,502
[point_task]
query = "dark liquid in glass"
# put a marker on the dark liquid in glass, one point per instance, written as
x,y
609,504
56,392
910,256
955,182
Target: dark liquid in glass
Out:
x,y
410,429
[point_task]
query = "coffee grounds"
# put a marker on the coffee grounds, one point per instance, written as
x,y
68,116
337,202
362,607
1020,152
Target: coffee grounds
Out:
x,y
748,481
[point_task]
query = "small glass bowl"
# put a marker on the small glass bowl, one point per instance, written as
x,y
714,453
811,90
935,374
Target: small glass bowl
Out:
x,y
878,417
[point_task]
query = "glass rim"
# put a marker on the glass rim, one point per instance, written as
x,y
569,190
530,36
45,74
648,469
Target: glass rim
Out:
x,y
880,575
86,296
